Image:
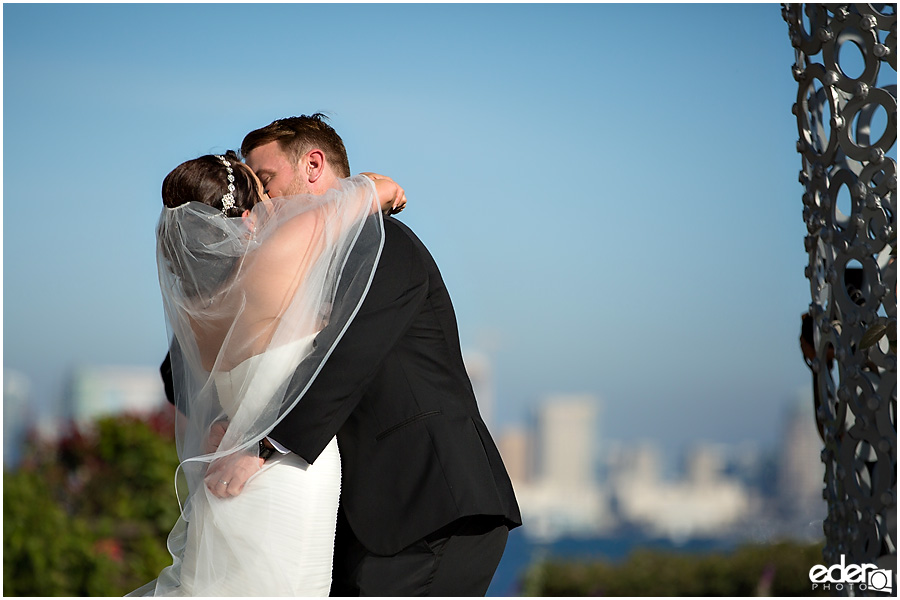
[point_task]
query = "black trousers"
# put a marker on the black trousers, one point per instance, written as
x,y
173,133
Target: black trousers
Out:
x,y
457,560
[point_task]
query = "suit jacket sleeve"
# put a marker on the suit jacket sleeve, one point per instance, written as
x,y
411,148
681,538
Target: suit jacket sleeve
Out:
x,y
165,372
396,295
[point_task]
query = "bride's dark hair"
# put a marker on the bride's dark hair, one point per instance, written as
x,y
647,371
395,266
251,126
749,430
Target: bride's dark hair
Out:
x,y
192,244
205,179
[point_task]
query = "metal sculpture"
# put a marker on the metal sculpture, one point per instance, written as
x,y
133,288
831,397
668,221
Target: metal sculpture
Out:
x,y
846,113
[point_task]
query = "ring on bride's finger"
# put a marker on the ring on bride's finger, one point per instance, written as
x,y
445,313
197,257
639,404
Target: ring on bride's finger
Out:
x,y
222,481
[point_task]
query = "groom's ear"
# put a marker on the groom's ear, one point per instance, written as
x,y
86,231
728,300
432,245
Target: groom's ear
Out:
x,y
313,165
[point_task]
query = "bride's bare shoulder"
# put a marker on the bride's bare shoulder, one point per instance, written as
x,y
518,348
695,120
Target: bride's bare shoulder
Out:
x,y
289,229
287,247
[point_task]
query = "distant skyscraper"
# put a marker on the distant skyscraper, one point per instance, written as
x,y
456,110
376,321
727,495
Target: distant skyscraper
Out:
x,y
516,447
705,463
567,428
703,503
801,472
17,414
564,498
478,365
100,391
638,462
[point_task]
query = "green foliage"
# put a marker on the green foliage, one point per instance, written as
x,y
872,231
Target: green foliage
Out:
x,y
753,570
45,552
89,516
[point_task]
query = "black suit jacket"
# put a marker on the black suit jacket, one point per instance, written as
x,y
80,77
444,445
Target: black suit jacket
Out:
x,y
415,452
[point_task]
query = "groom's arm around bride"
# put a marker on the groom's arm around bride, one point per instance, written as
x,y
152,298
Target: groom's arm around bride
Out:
x,y
426,502
418,461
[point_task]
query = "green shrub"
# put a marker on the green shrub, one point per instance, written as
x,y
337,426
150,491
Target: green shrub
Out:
x,y
752,570
89,515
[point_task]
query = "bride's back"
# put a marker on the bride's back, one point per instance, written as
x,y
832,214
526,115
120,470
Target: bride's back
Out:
x,y
261,294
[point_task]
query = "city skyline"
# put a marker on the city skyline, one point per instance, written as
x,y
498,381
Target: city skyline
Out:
x,y
91,392
615,214
567,489
571,477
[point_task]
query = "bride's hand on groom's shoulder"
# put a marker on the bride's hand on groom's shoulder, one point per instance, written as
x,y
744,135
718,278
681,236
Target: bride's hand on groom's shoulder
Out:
x,y
227,476
390,195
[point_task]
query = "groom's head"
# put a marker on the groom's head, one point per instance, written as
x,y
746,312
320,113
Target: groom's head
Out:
x,y
296,155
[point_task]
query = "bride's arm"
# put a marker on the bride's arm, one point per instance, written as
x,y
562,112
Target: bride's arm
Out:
x,y
282,261
391,196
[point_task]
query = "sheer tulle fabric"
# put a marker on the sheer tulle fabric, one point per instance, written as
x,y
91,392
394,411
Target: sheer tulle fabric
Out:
x,y
246,301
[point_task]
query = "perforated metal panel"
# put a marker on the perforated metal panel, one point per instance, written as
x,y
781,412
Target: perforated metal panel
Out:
x,y
846,109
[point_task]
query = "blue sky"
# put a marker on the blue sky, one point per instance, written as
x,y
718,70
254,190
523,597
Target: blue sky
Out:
x,y
610,190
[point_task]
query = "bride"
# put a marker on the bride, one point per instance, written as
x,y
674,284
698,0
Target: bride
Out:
x,y
248,285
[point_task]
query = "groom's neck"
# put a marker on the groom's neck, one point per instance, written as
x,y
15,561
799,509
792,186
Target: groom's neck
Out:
x,y
324,183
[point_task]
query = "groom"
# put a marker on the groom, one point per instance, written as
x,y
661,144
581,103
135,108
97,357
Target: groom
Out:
x,y
426,503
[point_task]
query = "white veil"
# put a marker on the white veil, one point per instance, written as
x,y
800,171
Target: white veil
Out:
x,y
252,296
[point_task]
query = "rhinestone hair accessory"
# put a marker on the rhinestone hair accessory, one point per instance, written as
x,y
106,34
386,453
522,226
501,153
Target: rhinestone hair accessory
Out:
x,y
227,199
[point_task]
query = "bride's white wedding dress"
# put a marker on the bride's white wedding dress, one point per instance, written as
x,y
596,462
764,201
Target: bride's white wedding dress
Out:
x,y
276,538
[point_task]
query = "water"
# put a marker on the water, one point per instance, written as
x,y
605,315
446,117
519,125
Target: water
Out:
x,y
521,552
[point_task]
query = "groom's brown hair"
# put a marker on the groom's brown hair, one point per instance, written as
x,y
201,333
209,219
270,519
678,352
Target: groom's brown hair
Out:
x,y
298,135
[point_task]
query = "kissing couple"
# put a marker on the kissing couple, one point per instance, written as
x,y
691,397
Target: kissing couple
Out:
x,y
327,431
